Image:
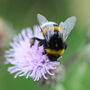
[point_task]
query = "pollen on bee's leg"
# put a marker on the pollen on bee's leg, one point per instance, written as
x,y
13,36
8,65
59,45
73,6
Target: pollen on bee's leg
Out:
x,y
31,42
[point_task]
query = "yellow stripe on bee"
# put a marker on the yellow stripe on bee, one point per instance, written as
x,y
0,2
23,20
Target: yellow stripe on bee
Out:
x,y
58,29
54,52
46,30
49,28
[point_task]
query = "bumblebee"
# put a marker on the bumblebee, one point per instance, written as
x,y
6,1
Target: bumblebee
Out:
x,y
54,36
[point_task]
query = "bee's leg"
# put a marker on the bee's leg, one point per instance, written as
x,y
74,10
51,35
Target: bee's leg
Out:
x,y
44,52
32,40
42,42
65,46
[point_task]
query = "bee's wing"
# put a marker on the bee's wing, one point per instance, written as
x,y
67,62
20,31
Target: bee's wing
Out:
x,y
41,19
67,26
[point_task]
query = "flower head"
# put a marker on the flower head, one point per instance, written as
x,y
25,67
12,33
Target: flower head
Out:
x,y
29,61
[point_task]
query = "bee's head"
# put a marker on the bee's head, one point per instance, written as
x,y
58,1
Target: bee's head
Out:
x,y
47,24
43,21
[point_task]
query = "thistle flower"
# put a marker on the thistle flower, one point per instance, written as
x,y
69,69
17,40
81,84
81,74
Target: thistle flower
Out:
x,y
29,61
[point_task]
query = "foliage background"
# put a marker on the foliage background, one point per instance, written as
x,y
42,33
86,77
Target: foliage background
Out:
x,y
22,13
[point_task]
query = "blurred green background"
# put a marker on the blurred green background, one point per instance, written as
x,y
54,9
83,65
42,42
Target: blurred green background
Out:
x,y
20,14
